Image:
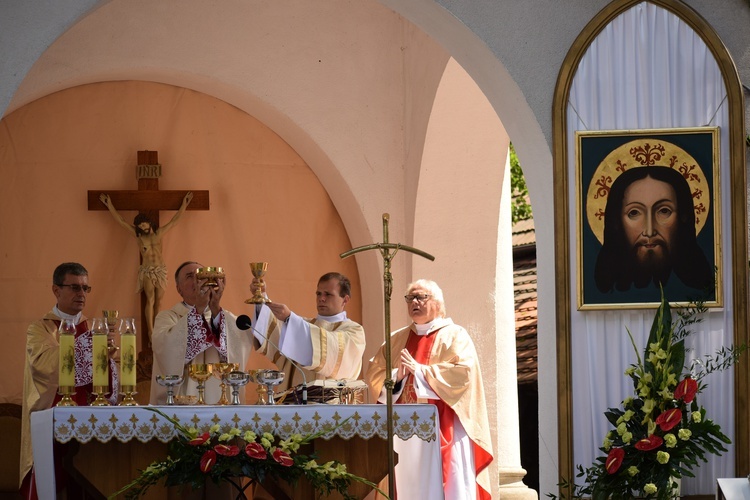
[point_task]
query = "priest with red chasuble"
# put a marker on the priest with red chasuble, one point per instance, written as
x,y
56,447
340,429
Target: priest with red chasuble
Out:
x,y
435,362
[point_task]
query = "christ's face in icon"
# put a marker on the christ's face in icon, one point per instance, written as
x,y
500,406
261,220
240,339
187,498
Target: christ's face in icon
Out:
x,y
650,221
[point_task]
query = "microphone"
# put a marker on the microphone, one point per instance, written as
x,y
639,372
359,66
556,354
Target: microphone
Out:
x,y
245,323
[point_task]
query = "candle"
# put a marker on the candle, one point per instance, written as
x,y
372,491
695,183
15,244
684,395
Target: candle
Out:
x,y
101,360
67,359
127,359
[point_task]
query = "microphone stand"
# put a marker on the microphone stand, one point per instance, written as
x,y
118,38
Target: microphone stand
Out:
x,y
385,251
247,325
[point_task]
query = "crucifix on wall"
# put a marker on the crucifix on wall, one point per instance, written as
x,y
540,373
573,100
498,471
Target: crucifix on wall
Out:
x,y
148,200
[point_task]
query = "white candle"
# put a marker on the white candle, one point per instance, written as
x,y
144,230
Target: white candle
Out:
x,y
127,359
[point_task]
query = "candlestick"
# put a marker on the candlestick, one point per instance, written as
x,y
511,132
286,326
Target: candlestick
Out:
x,y
127,361
128,352
100,361
67,363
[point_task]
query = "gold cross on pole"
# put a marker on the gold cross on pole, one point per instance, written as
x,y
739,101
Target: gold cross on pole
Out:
x,y
385,251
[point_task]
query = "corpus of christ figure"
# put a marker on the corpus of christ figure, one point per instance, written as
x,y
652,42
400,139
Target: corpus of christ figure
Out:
x,y
152,275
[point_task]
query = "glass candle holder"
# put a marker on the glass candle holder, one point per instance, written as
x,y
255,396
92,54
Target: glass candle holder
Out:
x,y
67,363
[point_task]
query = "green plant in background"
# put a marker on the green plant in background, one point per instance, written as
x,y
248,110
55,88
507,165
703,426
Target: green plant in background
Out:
x,y
519,193
660,433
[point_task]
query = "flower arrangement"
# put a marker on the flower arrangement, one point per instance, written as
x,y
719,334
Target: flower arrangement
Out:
x,y
661,432
231,454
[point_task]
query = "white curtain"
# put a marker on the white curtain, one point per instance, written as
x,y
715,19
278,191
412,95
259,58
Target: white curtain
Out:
x,y
646,69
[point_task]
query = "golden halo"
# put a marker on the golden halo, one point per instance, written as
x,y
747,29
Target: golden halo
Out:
x,y
645,152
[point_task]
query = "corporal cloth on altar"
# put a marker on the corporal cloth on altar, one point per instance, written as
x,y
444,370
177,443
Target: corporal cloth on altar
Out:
x,y
412,423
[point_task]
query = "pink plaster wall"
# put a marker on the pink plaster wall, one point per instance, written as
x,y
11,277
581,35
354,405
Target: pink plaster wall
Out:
x,y
266,204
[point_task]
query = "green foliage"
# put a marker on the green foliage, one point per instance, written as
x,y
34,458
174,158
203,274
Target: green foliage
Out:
x,y
228,455
520,208
660,433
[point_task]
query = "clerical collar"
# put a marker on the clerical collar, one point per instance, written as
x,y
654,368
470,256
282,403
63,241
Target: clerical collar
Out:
x,y
75,317
333,319
435,324
424,328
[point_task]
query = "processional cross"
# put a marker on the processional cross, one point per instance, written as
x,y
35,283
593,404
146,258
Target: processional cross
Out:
x,y
385,251
148,201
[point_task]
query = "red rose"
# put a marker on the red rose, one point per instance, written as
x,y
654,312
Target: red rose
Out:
x,y
200,439
207,461
668,419
255,450
686,390
226,450
282,457
614,460
649,443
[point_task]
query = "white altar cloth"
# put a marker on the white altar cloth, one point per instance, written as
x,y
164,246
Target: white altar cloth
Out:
x,y
126,423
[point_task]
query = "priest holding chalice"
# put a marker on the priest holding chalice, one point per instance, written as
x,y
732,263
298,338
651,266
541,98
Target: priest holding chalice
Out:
x,y
195,335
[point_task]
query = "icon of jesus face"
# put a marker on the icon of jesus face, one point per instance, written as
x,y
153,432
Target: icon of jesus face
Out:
x,y
650,221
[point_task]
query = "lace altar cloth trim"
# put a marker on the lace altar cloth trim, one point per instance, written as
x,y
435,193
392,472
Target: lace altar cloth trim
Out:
x,y
83,424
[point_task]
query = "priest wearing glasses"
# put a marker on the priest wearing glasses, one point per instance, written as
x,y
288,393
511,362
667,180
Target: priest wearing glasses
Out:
x,y
70,285
435,362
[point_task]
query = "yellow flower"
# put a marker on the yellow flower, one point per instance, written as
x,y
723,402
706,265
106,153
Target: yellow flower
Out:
x,y
224,437
651,427
684,434
662,457
650,489
249,436
312,464
214,429
670,440
627,401
633,471
648,407
627,437
696,417
630,371
666,393
621,429
607,443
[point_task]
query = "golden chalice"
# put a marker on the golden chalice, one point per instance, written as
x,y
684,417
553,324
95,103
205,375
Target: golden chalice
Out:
x,y
221,370
212,275
200,373
259,270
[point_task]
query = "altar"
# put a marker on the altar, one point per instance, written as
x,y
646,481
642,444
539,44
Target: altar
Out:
x,y
109,429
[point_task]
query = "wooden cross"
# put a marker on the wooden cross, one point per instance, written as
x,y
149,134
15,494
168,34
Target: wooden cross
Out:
x,y
148,200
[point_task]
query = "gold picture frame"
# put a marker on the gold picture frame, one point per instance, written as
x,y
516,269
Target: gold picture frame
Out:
x,y
660,234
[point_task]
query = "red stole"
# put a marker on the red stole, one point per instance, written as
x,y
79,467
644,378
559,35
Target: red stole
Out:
x,y
420,347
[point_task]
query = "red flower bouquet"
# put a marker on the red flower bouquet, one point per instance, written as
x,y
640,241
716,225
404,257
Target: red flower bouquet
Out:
x,y
229,454
660,433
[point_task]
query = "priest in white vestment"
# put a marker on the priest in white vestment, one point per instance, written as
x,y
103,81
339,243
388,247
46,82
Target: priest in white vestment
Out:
x,y
435,362
196,331
329,346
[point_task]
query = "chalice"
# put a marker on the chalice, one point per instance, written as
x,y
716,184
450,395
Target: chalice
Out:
x,y
269,378
221,370
200,373
169,381
259,270
236,380
212,275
